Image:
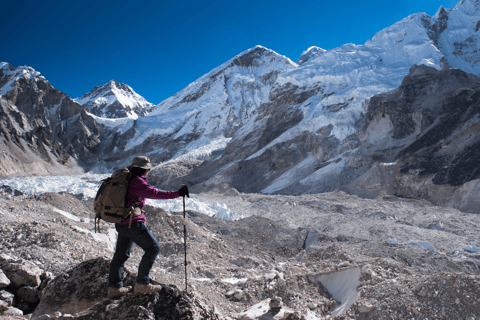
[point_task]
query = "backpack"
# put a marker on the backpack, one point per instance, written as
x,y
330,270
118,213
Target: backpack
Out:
x,y
109,204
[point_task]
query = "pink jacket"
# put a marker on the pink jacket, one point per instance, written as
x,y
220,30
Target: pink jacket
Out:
x,y
140,188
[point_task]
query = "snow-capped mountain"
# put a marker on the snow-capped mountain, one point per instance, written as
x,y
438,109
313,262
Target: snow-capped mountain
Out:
x,y
115,100
263,123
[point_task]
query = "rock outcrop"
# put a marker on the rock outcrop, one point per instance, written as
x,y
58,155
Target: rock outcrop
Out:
x,y
80,293
21,282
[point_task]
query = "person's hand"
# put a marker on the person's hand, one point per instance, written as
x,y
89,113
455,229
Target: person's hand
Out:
x,y
183,191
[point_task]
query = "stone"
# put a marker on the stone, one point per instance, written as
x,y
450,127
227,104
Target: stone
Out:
x,y
230,293
365,308
239,262
20,272
422,293
4,281
13,312
29,294
270,275
275,304
7,297
238,295
3,305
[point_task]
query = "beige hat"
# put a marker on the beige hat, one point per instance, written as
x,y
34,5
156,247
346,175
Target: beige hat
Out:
x,y
142,162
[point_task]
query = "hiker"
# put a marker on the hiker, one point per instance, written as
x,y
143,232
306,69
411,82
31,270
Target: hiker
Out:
x,y
138,232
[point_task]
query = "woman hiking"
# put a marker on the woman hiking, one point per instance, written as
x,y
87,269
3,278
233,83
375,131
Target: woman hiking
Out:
x,y
138,233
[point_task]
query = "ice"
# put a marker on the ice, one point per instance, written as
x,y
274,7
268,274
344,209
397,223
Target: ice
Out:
x,y
342,285
472,249
216,210
234,280
67,215
423,244
88,184
109,238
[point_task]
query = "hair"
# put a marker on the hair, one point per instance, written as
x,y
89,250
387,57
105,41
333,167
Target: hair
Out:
x,y
136,171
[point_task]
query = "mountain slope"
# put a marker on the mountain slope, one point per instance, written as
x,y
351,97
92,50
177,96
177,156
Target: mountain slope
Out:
x,y
261,101
42,130
115,100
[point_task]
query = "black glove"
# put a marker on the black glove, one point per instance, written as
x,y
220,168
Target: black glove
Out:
x,y
183,191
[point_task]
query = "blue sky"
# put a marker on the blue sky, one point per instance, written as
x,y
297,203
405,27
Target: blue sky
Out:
x,y
159,47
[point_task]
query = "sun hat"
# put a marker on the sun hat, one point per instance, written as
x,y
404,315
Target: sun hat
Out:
x,y
141,162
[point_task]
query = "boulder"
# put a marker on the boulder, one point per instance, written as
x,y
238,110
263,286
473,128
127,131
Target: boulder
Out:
x,y
7,297
20,272
3,305
29,294
12,312
4,282
81,292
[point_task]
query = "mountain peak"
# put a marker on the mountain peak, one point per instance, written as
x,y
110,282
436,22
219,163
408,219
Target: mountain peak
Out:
x,y
309,54
115,100
257,55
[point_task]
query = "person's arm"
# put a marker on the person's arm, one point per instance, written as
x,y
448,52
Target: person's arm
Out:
x,y
140,188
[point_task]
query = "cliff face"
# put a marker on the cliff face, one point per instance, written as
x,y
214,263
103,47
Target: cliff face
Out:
x,y
43,130
422,139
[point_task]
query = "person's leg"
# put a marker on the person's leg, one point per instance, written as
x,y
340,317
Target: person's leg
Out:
x,y
122,253
142,236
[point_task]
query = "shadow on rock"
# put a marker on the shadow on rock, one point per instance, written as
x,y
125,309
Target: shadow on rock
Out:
x,y
80,293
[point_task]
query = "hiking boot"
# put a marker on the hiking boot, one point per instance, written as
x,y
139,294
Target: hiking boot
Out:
x,y
118,292
146,288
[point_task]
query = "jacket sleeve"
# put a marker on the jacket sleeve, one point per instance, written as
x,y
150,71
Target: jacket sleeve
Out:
x,y
140,188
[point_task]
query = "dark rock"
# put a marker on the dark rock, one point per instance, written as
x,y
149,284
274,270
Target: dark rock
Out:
x,y
29,294
81,292
3,305
239,262
224,232
312,238
11,191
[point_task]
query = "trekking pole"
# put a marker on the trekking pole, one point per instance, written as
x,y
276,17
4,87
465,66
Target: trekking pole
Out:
x,y
185,241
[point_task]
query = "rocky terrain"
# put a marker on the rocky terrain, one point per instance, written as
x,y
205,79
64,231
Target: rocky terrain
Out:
x,y
408,259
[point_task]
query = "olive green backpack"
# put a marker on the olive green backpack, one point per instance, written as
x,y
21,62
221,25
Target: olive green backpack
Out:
x,y
109,204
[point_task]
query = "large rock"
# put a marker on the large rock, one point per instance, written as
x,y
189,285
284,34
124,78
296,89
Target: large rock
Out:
x,y
80,293
29,294
13,312
4,282
7,297
20,272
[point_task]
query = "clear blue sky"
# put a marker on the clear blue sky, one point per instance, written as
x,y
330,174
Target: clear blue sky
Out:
x,y
159,47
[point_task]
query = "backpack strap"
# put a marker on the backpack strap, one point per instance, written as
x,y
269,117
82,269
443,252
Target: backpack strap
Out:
x,y
131,212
